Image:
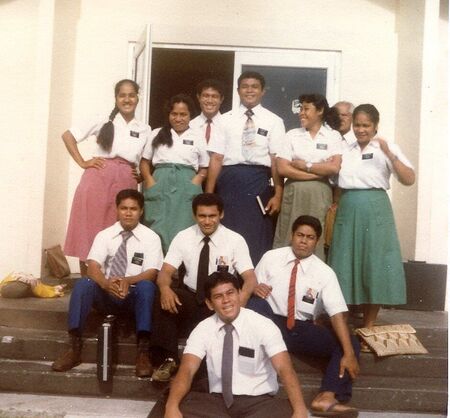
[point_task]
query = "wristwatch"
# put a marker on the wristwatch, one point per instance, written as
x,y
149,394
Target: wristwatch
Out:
x,y
308,166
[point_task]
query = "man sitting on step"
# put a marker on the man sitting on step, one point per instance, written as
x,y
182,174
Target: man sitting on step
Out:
x,y
244,353
203,248
294,288
122,267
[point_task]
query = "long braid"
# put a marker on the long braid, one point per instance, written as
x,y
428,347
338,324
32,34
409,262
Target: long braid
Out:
x,y
105,137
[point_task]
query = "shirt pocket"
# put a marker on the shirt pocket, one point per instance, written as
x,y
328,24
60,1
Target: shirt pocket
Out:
x,y
247,360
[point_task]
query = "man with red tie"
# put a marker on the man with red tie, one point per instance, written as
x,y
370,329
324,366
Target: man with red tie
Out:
x,y
210,95
294,288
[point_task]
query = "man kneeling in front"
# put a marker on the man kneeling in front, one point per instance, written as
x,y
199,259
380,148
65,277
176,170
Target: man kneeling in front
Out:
x,y
244,353
294,288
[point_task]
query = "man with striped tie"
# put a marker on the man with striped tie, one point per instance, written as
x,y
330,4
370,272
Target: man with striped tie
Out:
x,y
122,266
294,288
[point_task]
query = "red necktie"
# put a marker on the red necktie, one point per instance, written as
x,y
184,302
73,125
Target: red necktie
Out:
x,y
291,297
208,130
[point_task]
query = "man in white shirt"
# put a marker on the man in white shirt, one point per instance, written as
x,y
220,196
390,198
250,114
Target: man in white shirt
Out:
x,y
202,248
243,163
294,288
210,95
122,266
244,353
345,111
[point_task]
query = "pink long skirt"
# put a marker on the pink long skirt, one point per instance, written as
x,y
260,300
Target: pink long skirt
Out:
x,y
94,206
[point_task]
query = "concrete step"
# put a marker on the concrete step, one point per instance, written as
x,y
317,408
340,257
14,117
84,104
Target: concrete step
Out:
x,y
40,345
370,393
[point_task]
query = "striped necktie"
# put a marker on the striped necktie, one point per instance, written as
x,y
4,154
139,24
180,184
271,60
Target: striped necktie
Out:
x,y
291,296
227,365
119,263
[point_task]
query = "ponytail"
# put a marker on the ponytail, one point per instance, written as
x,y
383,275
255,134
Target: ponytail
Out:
x,y
164,137
105,137
331,117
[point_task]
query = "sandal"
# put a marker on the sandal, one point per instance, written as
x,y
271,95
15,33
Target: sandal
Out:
x,y
331,411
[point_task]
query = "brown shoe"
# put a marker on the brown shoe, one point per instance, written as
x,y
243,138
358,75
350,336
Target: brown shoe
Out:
x,y
144,367
67,361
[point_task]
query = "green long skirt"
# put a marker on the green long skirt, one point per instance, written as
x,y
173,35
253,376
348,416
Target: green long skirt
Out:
x,y
302,198
365,251
168,204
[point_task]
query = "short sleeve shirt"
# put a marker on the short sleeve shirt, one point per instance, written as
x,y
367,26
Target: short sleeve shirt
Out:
x,y
129,138
298,144
369,168
317,289
189,148
143,249
269,130
225,248
253,373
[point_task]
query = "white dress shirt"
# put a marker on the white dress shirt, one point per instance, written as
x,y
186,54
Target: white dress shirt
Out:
x,y
317,288
348,139
226,247
253,373
143,249
189,148
129,138
298,144
369,168
216,125
269,129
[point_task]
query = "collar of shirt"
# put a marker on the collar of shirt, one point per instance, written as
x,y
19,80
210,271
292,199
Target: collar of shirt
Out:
x,y
213,237
237,323
175,135
121,121
137,231
372,144
305,263
213,119
256,110
322,132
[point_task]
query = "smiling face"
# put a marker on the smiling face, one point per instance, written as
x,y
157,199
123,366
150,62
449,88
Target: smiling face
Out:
x,y
225,302
128,213
126,101
309,116
179,117
303,241
210,101
208,218
250,92
364,128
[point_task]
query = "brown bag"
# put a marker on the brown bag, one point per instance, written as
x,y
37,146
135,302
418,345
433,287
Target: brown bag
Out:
x,y
57,262
388,340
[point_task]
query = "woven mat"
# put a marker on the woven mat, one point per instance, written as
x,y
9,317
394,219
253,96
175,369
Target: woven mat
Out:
x,y
388,340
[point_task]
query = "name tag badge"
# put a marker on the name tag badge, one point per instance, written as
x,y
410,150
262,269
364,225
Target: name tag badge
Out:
x,y
222,263
308,303
367,156
322,146
310,296
247,352
188,142
134,134
262,132
138,259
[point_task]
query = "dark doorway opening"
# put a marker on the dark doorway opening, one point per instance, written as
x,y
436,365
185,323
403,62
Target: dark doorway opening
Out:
x,y
180,70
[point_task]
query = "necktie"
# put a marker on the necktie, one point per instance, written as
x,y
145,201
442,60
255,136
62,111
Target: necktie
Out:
x,y
291,297
119,263
248,135
227,366
203,270
208,130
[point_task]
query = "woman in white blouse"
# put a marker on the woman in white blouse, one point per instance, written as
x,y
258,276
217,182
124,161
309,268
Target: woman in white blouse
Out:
x,y
365,251
308,156
174,166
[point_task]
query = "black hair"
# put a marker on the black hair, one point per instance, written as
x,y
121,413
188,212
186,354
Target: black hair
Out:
x,y
330,114
370,110
130,194
252,74
311,221
207,199
219,277
210,83
164,136
105,137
